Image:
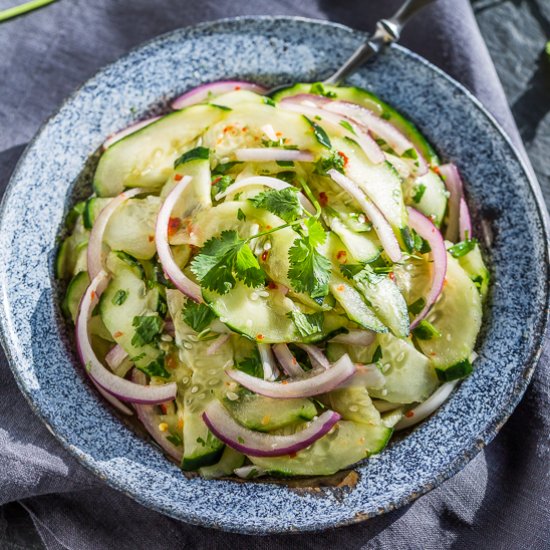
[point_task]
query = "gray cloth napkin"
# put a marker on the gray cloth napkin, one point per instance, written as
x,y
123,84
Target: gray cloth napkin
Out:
x,y
500,500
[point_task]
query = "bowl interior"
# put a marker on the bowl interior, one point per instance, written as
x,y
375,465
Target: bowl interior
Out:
x,y
55,171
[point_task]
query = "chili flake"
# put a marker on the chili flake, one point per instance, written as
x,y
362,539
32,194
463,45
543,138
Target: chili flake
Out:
x,y
323,199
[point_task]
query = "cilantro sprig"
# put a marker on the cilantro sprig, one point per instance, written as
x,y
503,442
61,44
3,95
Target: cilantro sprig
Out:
x,y
282,202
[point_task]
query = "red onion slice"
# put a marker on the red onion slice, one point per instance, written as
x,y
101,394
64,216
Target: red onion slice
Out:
x,y
428,231
422,411
382,227
367,376
252,443
111,140
287,360
268,362
213,89
116,386
95,254
115,357
217,344
380,127
453,182
266,181
316,356
365,141
173,272
148,417
464,221
355,338
306,386
267,154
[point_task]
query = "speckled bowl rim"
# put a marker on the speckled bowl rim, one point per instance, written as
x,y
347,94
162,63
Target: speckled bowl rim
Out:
x,y
452,467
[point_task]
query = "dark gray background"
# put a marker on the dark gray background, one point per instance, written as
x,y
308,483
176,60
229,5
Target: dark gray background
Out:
x,y
45,55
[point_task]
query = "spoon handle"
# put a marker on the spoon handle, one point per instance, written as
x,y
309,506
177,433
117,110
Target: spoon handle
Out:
x,y
387,31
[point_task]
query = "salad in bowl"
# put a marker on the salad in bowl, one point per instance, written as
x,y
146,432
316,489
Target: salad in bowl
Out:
x,y
273,285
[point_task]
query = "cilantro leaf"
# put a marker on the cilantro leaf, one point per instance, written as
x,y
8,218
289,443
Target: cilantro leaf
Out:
x,y
284,163
224,259
197,316
282,202
198,153
317,235
320,135
307,324
220,184
269,101
148,329
120,297
156,367
252,365
349,271
318,89
462,248
309,271
419,191
324,164
345,124
241,216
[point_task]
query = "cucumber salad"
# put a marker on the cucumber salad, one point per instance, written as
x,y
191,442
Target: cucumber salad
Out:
x,y
273,285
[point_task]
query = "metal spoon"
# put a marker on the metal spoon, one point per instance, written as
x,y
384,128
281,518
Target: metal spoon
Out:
x,y
387,31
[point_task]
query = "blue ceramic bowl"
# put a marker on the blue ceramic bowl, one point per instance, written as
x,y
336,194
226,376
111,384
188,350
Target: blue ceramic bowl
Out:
x,y
54,172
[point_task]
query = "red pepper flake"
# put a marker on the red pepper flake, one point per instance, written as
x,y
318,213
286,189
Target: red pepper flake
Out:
x,y
178,177
278,134
180,423
409,414
391,275
237,88
171,362
340,288
118,334
163,408
93,294
341,256
344,157
323,199
284,382
436,169
227,129
173,225
259,336
214,181
292,455
151,238
272,285
264,255
268,227
245,129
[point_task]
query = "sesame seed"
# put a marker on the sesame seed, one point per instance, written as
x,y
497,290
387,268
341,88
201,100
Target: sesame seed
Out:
x,y
231,396
166,338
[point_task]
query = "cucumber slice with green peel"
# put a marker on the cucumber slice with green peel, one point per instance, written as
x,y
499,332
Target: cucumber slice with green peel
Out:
x,y
201,447
81,258
386,301
353,403
197,195
428,195
391,418
91,211
380,182
75,290
410,376
457,317
265,414
242,128
238,97
413,277
74,213
354,305
146,157
67,253
125,298
346,444
472,263
131,228
229,461
374,104
363,247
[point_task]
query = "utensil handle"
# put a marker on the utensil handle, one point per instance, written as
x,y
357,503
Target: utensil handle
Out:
x,y
387,31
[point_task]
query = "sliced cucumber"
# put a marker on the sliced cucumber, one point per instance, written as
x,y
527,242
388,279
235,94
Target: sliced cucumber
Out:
x,y
197,194
410,377
364,247
119,315
353,403
355,307
380,182
377,106
75,290
132,227
146,157
347,443
428,195
67,254
238,97
264,414
229,461
386,301
242,128
457,317
92,209
201,447
472,263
